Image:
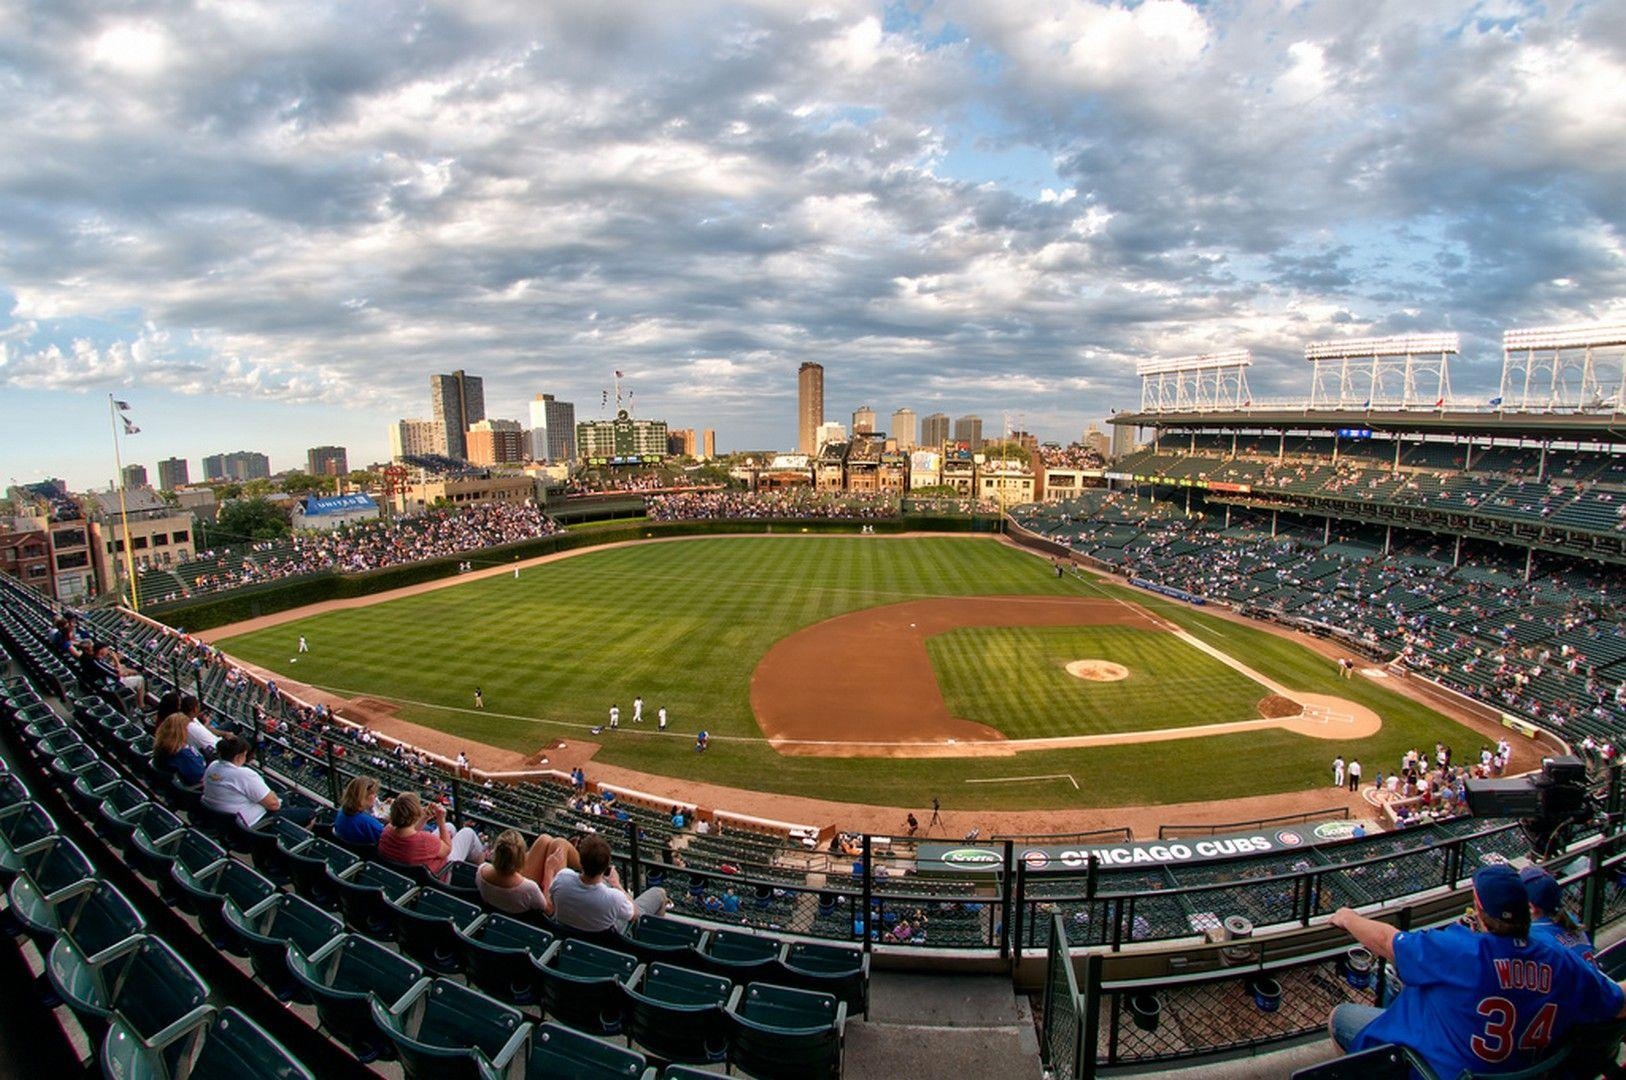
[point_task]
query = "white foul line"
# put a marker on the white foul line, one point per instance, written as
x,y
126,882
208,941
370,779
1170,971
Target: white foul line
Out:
x,y
1013,779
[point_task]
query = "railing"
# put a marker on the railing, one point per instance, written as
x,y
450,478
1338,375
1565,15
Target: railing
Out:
x,y
1331,813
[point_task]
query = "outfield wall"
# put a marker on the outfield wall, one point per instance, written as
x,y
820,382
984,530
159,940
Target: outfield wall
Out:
x,y
253,601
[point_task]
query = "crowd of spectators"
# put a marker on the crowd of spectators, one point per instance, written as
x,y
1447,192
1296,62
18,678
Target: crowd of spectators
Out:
x,y
372,545
794,503
1070,457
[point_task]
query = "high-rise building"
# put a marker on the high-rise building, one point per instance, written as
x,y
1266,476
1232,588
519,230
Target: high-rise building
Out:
x,y
1097,440
172,473
1123,439
327,461
238,465
708,444
622,441
459,401
680,442
863,420
416,438
968,430
934,431
135,476
830,432
495,442
903,428
809,406
553,430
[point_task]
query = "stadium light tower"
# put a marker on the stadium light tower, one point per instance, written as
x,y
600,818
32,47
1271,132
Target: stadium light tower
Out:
x,y
1556,367
1360,373
1200,383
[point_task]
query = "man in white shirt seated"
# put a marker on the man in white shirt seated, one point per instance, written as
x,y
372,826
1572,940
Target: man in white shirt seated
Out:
x,y
231,787
593,900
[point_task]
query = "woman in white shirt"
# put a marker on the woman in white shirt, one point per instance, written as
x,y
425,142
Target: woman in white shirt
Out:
x,y
515,879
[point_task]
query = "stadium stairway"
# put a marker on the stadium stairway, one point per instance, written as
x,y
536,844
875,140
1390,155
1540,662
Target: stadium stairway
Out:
x,y
925,1027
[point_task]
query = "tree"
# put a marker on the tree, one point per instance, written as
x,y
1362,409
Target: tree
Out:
x,y
303,483
246,520
1011,451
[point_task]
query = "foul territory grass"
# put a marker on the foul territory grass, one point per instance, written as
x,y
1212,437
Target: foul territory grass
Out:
x,y
1170,684
685,623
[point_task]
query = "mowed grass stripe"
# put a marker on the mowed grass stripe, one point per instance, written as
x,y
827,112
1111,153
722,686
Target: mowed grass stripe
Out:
x,y
1170,684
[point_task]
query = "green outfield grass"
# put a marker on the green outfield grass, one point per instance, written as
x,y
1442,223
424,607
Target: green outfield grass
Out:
x,y
1170,684
685,623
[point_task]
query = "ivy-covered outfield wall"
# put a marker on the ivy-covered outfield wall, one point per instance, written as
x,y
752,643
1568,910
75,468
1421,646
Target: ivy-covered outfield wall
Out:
x,y
252,601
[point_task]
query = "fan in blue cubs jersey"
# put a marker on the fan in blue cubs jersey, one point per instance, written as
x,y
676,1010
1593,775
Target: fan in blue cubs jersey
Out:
x,y
1491,1000
1550,921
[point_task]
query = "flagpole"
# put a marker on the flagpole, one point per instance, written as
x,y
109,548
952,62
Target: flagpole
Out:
x,y
124,512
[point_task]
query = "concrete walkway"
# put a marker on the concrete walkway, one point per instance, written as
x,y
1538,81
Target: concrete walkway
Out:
x,y
927,1027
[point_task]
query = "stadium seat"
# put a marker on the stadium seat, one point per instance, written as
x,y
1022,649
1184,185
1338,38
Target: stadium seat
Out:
x,y
313,868
557,1051
269,927
1379,1063
831,969
460,880
343,977
678,1015
13,791
54,865
91,912
364,893
161,1000
581,985
119,826
204,893
497,955
89,782
427,922
233,1048
270,843
156,857
739,956
778,1031
662,939
444,1030
101,807
23,829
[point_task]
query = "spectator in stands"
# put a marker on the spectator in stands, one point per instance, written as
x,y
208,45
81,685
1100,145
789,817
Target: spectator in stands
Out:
x,y
592,900
231,787
355,823
405,840
65,640
170,750
200,734
1550,921
515,879
1485,998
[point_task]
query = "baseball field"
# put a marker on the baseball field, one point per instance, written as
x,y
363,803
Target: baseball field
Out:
x,y
863,669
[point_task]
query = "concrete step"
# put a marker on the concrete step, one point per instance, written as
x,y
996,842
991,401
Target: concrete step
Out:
x,y
923,1027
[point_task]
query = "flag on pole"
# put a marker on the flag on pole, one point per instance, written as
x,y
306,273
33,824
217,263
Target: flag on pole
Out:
x,y
129,428
1495,401
1440,404
123,406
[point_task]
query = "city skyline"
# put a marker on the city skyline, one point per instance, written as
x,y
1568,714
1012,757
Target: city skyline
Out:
x,y
272,230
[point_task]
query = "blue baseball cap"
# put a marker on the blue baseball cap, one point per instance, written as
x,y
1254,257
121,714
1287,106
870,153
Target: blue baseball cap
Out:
x,y
1543,890
1501,893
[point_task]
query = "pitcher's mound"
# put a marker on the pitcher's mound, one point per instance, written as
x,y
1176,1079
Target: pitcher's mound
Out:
x,y
1097,670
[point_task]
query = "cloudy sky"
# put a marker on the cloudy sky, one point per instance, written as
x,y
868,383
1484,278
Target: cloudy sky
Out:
x,y
265,224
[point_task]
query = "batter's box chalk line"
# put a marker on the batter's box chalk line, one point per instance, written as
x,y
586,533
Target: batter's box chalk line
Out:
x,y
1316,714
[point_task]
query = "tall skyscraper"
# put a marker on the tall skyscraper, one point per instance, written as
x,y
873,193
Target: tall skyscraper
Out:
x,y
680,442
863,420
903,428
416,438
327,461
135,476
496,442
459,401
934,431
172,473
968,430
552,437
237,465
809,406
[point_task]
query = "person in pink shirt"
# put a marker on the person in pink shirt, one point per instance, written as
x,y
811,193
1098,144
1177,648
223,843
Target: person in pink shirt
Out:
x,y
405,840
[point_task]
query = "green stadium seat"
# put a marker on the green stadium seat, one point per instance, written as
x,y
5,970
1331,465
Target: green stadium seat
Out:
x,y
343,977
778,1031
460,880
119,797
269,927
662,939
161,1000
205,893
23,828
557,1052
1386,1062
72,761
270,843
119,826
581,985
427,922
54,866
313,868
739,956
831,969
233,1048
497,955
87,785
13,792
91,912
364,893
444,1030
676,1014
